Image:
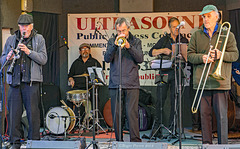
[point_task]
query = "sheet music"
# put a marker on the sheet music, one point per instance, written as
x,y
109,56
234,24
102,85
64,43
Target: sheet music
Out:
x,y
155,64
98,73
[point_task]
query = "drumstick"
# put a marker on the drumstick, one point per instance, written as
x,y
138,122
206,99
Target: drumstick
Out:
x,y
63,103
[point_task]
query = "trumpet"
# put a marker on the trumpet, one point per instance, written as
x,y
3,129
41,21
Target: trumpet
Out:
x,y
221,45
121,41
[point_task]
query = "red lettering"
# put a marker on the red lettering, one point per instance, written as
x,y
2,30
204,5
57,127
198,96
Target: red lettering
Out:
x,y
104,22
200,21
79,24
146,22
93,23
186,19
134,23
163,22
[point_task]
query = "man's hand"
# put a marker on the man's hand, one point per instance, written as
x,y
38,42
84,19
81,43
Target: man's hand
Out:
x,y
72,82
10,55
209,59
127,45
165,51
24,48
215,54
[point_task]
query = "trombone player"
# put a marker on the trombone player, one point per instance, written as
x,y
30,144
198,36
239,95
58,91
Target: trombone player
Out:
x,y
215,95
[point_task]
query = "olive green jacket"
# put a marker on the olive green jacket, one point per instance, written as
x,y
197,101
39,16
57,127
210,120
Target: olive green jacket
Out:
x,y
199,45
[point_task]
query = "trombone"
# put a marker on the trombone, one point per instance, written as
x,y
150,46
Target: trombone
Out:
x,y
222,42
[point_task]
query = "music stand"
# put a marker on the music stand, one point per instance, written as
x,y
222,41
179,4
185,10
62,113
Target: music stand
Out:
x,y
161,64
96,75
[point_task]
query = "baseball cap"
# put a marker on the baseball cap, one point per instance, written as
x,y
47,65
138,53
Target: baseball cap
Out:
x,y
84,45
208,8
25,19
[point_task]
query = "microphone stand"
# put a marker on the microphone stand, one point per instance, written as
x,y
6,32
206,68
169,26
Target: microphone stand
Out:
x,y
101,34
179,57
120,90
2,109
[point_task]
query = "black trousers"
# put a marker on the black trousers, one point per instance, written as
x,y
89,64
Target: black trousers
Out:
x,y
29,96
218,101
162,92
130,98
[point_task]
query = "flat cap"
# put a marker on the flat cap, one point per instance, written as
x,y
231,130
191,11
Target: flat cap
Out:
x,y
25,19
84,45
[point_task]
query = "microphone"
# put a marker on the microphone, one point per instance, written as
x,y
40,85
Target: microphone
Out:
x,y
181,24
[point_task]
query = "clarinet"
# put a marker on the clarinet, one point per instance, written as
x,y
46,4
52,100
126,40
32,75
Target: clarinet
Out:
x,y
16,55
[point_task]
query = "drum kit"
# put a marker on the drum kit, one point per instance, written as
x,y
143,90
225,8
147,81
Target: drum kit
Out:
x,y
62,120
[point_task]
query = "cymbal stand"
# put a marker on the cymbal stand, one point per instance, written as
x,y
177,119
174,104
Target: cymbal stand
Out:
x,y
96,111
79,118
87,102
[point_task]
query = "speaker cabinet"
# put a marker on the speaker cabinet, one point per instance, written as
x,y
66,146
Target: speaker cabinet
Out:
x,y
50,98
55,144
138,145
221,146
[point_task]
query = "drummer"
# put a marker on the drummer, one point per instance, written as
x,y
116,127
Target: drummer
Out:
x,y
78,70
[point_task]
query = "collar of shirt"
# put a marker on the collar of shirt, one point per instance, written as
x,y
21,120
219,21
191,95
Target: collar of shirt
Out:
x,y
215,29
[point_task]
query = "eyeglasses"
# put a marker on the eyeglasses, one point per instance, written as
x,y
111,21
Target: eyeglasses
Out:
x,y
83,49
122,31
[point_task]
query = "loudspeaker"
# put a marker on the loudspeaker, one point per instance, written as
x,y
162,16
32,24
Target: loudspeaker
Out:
x,y
221,146
56,144
138,145
50,98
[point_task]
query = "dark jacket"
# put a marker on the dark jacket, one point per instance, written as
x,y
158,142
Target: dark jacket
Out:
x,y
78,67
166,42
38,56
199,45
130,59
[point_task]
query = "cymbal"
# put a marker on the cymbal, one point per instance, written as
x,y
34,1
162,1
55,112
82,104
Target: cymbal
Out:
x,y
82,75
77,91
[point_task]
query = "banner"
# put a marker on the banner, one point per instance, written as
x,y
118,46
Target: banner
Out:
x,y
149,27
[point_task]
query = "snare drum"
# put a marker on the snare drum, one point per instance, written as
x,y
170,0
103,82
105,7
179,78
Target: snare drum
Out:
x,y
55,119
77,96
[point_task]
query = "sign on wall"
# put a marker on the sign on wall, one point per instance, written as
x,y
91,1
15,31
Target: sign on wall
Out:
x,y
149,27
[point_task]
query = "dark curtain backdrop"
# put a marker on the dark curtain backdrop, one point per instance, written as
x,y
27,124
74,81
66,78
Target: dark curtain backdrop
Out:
x,y
234,19
47,25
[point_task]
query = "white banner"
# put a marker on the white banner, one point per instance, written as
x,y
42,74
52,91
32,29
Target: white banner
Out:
x,y
149,27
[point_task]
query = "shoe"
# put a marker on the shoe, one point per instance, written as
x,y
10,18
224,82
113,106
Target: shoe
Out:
x,y
195,128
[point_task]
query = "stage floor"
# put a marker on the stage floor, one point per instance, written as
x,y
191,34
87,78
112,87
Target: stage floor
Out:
x,y
189,140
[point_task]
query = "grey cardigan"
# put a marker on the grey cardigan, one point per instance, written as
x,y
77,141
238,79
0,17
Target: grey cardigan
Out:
x,y
38,56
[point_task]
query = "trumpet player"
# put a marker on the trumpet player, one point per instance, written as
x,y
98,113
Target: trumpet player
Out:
x,y
131,55
216,93
24,79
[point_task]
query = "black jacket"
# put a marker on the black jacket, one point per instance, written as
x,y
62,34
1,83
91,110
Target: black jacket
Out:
x,y
166,42
79,67
130,59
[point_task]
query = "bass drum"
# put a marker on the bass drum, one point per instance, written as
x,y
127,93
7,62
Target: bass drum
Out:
x,y
107,113
55,119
